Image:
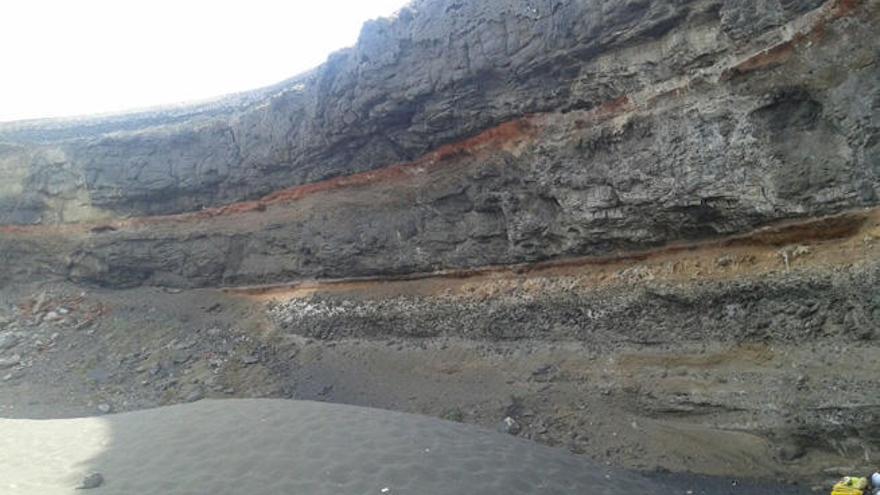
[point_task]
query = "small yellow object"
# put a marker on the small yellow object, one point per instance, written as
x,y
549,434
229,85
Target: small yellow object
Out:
x,y
850,485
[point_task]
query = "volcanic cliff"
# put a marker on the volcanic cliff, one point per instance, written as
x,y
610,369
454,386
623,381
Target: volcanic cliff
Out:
x,y
668,206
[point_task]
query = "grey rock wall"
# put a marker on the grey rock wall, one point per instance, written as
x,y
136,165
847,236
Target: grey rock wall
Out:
x,y
649,123
442,70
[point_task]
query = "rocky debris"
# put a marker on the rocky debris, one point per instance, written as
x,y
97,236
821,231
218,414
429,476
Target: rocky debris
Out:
x,y
125,375
591,391
629,329
70,310
791,308
93,480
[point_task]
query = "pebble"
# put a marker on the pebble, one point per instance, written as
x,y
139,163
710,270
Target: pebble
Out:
x,y
104,408
93,480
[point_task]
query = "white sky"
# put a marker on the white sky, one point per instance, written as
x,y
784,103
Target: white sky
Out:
x,y
72,57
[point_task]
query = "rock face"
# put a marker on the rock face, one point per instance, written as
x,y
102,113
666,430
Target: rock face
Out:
x,y
828,307
463,134
650,342
642,229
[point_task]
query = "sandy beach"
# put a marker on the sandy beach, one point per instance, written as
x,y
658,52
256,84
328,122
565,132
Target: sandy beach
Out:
x,y
275,446
299,447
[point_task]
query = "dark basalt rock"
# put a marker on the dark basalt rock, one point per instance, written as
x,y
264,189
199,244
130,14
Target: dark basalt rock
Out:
x,y
442,70
636,136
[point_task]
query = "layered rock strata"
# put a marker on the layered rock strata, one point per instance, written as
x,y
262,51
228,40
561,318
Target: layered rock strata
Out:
x,y
458,135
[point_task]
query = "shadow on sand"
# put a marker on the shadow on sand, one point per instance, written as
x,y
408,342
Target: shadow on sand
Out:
x,y
263,447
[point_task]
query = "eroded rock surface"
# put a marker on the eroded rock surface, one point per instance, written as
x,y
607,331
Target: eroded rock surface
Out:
x,y
525,130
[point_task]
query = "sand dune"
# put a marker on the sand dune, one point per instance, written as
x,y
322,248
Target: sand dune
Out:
x,y
288,447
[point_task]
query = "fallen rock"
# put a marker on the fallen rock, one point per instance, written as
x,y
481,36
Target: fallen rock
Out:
x,y
509,425
454,414
93,480
104,408
194,395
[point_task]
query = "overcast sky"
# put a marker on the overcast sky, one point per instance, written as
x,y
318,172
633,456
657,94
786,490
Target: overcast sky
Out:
x,y
71,57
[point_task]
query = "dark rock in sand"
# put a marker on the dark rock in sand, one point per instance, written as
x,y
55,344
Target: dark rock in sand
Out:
x,y
91,481
509,425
